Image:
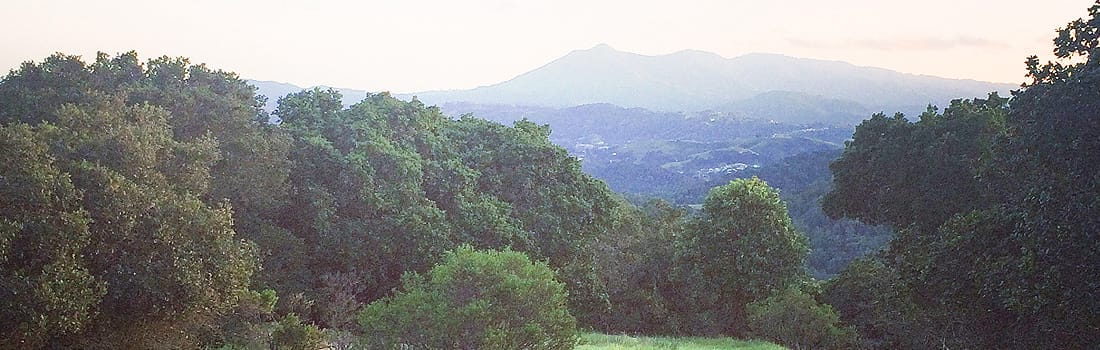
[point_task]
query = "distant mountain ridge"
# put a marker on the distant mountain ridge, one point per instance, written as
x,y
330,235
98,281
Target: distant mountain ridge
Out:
x,y
754,86
274,90
694,80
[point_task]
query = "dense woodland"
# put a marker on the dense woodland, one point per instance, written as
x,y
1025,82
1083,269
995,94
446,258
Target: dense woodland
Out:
x,y
152,205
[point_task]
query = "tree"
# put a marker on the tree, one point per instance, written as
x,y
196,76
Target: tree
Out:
x,y
292,334
46,289
916,174
635,261
742,248
870,296
385,186
172,262
561,210
201,103
1014,266
169,261
474,300
134,251
794,319
1047,175
356,206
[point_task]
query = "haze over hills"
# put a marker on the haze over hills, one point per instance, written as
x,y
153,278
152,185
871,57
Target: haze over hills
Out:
x,y
273,90
693,80
749,86
781,106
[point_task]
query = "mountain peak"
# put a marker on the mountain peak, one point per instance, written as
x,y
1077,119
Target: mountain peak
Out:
x,y
602,47
699,55
694,52
598,53
692,80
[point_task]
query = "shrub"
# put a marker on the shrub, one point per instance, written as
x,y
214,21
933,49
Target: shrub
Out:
x,y
292,334
474,300
794,319
870,296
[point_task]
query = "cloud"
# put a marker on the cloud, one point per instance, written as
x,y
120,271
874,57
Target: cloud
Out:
x,y
902,44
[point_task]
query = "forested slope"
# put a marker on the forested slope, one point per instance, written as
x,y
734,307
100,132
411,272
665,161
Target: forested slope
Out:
x,y
996,203
152,205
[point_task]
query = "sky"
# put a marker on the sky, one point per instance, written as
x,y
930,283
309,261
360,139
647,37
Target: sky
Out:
x,y
418,45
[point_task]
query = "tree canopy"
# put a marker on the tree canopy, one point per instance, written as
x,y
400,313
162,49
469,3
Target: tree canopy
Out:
x,y
475,300
111,224
741,248
1000,216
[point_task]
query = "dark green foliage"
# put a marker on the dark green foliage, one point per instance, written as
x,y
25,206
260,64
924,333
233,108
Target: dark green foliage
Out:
x,y
666,272
893,170
635,262
871,297
386,186
803,180
149,253
46,290
356,203
35,91
740,249
201,103
918,177
292,334
794,319
340,201
254,324
249,324
474,300
1009,255
562,207
562,210
968,273
915,177
1049,163
169,262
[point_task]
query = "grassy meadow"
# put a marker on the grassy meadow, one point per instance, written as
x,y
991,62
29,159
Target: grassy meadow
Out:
x,y
595,341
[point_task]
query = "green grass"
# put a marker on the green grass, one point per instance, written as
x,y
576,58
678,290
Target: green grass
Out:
x,y
595,341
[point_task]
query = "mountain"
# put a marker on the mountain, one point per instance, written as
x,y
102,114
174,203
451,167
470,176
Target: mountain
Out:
x,y
696,80
273,90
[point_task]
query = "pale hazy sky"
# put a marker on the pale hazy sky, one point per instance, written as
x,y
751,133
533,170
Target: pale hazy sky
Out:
x,y
413,45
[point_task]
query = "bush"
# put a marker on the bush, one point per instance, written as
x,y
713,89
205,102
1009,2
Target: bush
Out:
x,y
249,325
474,300
794,319
871,296
254,326
292,334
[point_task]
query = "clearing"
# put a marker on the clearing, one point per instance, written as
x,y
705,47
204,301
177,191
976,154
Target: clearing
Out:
x,y
595,341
